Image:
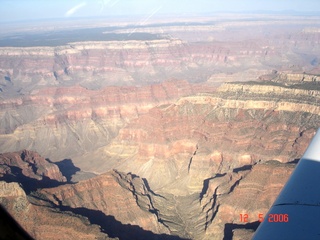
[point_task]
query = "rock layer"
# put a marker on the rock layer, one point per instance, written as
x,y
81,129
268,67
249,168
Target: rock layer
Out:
x,y
190,140
209,155
227,49
64,122
43,221
201,158
28,164
251,193
123,196
202,162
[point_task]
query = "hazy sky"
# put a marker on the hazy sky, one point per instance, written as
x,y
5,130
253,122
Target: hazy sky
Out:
x,y
11,10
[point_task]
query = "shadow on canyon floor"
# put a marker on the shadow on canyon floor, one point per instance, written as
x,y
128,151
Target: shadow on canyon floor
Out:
x,y
243,168
229,227
67,168
29,184
206,184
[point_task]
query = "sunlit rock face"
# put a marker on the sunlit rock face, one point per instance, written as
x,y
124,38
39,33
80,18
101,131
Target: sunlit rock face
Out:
x,y
225,51
124,196
112,200
174,158
182,160
42,220
22,173
30,165
248,193
98,64
119,203
68,121
209,155
206,134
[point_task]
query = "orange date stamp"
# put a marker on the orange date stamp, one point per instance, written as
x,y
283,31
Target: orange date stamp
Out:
x,y
272,217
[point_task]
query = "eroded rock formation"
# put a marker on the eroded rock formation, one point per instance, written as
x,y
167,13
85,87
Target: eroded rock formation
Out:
x,y
248,192
42,220
29,166
175,159
221,52
209,155
99,64
22,173
64,122
124,196
200,162
122,205
211,133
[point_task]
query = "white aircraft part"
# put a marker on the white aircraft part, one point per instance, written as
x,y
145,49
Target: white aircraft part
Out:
x,y
299,202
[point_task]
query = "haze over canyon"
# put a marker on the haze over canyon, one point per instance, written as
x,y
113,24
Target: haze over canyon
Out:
x,y
168,129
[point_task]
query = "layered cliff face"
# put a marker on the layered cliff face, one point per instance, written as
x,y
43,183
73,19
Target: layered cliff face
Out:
x,y
64,122
121,204
175,159
99,64
227,49
123,196
26,165
214,211
22,173
209,154
42,220
200,135
113,204
246,192
199,162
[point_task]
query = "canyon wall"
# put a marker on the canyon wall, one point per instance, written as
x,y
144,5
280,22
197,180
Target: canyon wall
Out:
x,y
186,166
64,122
110,206
22,173
191,138
211,153
124,205
27,164
98,64
161,157
43,221
124,196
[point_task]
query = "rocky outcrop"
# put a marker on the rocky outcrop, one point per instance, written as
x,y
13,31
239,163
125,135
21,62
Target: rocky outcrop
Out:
x,y
190,140
27,164
296,77
124,196
201,161
65,122
290,78
206,52
269,88
43,221
99,64
209,155
122,205
250,193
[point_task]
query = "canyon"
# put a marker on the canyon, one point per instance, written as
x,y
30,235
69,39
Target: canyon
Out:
x,y
171,138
